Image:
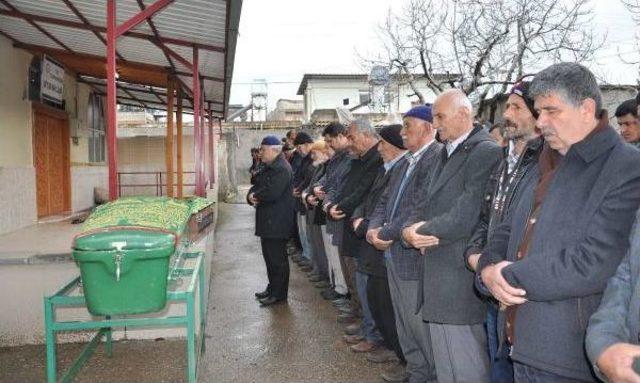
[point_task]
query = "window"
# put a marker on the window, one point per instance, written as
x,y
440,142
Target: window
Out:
x,y
345,101
364,97
96,125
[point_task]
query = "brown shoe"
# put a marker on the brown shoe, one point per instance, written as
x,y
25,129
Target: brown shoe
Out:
x,y
352,329
352,339
347,318
395,373
364,346
382,355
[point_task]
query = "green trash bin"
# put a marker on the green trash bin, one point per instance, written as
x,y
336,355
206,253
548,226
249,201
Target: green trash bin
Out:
x,y
124,271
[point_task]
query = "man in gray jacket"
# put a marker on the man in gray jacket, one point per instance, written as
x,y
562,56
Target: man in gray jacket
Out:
x,y
443,225
405,187
613,335
568,229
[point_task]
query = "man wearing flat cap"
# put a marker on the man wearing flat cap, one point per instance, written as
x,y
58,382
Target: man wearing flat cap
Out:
x,y
273,199
405,189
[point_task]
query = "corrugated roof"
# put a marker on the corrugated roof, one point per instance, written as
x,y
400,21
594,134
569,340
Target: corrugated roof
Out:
x,y
72,29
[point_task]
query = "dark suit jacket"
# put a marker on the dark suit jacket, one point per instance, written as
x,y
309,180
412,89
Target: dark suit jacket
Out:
x,y
580,236
356,186
274,212
407,261
371,259
451,210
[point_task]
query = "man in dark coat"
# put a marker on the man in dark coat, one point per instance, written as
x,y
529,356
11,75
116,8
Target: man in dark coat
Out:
x,y
272,197
567,231
326,190
407,186
453,312
521,155
371,262
363,142
302,175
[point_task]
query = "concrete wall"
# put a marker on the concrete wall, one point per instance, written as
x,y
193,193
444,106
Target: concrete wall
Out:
x,y
147,154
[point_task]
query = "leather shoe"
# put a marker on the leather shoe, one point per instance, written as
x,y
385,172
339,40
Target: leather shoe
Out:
x,y
268,301
321,285
262,295
382,355
352,329
347,318
316,278
364,346
352,339
396,373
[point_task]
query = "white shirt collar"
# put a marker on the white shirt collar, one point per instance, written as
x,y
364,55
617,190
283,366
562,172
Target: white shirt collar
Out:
x,y
389,165
451,146
418,153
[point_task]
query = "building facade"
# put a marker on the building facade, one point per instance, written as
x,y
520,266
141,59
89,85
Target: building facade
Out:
x,y
51,159
352,91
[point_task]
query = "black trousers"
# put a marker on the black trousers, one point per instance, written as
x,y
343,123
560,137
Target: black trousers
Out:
x,y
275,257
379,298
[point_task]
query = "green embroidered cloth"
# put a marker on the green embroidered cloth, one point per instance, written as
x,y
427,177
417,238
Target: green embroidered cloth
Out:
x,y
156,212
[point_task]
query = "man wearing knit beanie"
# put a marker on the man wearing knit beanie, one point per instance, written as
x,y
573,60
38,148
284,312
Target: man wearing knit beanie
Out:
x,y
521,155
404,265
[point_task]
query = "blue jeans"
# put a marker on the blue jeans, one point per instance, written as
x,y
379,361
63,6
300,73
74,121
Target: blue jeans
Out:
x,y
368,328
527,374
501,364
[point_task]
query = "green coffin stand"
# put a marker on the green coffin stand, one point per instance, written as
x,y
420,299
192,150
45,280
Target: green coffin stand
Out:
x,y
124,253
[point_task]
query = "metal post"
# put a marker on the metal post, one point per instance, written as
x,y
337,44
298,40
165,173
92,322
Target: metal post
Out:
x,y
211,161
196,124
179,141
191,338
169,142
50,339
111,100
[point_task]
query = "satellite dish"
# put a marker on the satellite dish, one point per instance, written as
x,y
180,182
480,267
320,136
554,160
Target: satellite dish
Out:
x,y
379,75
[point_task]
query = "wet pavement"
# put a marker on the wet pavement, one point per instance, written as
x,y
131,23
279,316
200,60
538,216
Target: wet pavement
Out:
x,y
296,342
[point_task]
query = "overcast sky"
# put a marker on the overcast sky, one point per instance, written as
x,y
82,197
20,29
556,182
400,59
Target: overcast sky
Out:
x,y
280,40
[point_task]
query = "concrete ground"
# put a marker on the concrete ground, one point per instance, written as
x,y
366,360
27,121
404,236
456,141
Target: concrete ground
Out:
x,y
297,342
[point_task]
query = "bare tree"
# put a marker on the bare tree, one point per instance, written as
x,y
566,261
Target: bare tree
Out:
x,y
482,46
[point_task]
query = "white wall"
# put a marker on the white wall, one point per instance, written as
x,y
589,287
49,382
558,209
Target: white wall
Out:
x,y
329,94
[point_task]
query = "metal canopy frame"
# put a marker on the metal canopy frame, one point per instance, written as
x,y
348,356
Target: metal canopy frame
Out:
x,y
161,41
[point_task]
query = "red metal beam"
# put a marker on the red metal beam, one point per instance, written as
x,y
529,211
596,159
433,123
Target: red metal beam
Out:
x,y
141,17
95,28
156,34
212,162
170,52
197,128
111,101
210,78
226,49
85,21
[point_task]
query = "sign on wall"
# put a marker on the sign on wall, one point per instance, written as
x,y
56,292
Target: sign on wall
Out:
x,y
52,81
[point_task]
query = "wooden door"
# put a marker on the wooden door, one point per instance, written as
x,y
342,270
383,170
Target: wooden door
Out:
x,y
51,159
